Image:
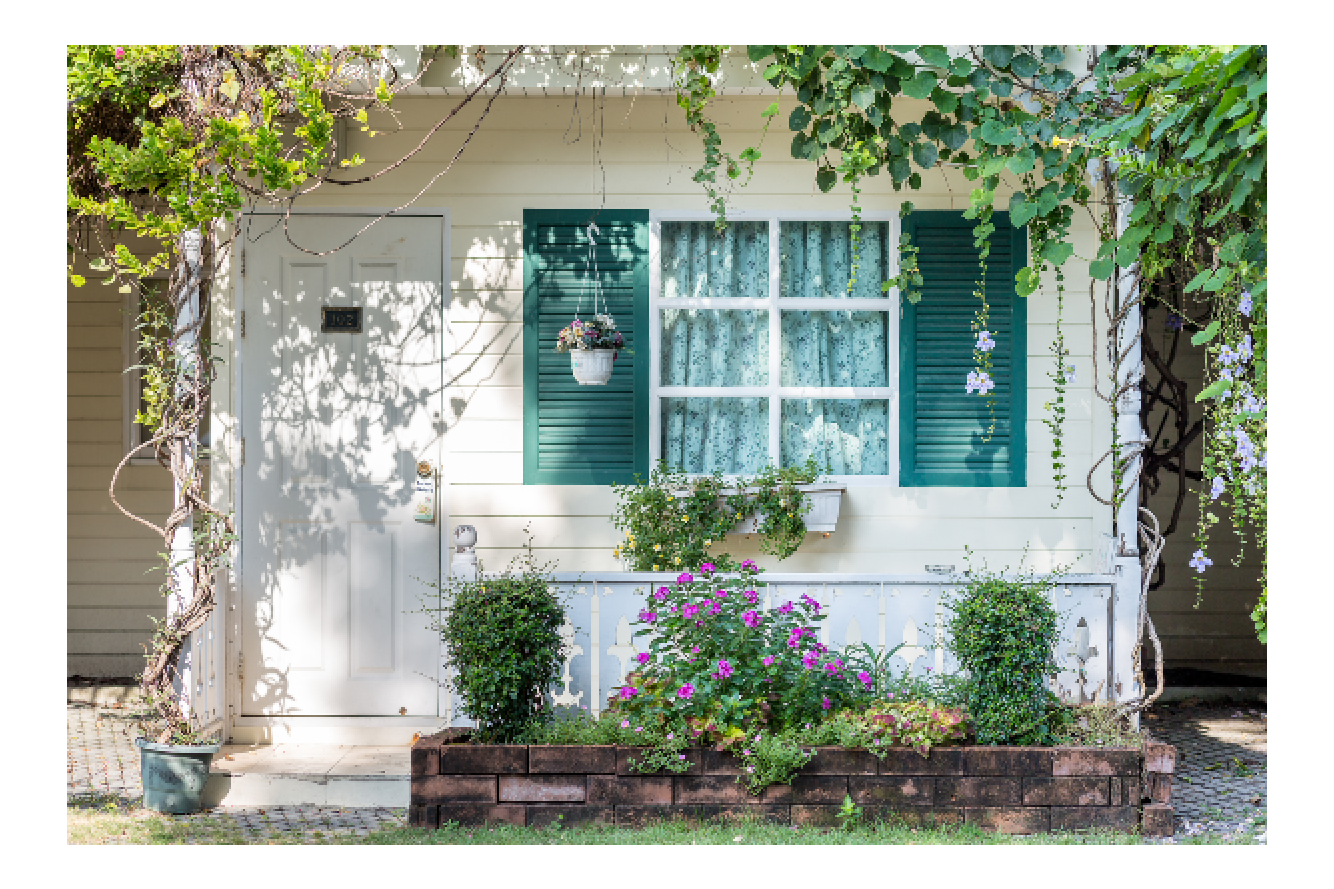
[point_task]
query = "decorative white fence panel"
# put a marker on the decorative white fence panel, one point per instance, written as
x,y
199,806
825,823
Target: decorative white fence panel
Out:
x,y
879,610
202,667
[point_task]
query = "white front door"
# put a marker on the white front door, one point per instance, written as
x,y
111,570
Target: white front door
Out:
x,y
335,422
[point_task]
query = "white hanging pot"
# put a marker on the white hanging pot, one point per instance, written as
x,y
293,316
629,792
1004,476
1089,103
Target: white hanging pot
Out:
x,y
592,367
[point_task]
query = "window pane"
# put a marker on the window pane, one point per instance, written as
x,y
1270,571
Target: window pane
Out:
x,y
714,347
697,262
730,435
846,436
815,260
834,349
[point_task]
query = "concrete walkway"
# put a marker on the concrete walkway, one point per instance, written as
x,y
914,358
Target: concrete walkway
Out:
x,y
324,791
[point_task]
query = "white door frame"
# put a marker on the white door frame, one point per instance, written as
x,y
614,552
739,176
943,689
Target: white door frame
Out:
x,y
232,593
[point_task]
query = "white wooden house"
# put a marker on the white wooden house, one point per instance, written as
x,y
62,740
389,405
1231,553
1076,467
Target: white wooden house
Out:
x,y
316,432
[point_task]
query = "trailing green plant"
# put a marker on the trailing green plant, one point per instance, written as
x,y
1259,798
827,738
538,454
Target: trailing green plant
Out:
x,y
674,519
1096,725
1003,631
501,635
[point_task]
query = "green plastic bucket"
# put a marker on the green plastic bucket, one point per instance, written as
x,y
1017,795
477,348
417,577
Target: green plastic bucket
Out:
x,y
174,775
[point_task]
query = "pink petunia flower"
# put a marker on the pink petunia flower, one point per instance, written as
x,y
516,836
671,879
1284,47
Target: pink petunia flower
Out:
x,y
684,691
751,619
751,596
661,593
628,692
685,578
767,660
625,723
707,568
824,702
748,565
724,669
689,610
642,657
120,53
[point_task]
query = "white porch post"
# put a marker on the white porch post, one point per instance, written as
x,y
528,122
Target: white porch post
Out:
x,y
183,544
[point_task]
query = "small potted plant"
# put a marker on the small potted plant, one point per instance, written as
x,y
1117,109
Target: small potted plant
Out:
x,y
592,346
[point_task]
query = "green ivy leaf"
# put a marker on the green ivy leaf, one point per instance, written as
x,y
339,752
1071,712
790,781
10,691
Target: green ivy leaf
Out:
x,y
945,100
1026,281
998,55
925,154
798,120
1204,336
934,55
1101,269
1057,252
1214,389
1024,65
825,178
1022,162
920,87
863,97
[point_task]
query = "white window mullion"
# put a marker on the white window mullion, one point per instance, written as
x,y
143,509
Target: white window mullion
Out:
x,y
775,345
655,342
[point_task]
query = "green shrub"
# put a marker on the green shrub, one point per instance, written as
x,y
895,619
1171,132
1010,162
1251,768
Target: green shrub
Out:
x,y
1003,632
502,637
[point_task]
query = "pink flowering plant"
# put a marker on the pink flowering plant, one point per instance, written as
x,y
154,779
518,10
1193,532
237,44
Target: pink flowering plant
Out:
x,y
722,663
599,333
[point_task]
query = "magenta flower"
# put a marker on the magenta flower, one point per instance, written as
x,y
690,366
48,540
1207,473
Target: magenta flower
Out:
x,y
830,668
785,608
625,723
647,616
120,53
748,565
699,623
793,642
707,568
751,618
642,657
864,678
751,596
685,578
767,660
685,692
689,610
722,594
661,593
811,603
715,608
724,669
628,692
824,702
809,659
694,649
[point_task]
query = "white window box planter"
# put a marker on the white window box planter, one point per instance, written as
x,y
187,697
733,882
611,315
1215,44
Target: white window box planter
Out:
x,y
821,513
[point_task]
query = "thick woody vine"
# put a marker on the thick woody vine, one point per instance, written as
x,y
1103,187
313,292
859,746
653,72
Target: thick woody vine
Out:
x,y
1164,147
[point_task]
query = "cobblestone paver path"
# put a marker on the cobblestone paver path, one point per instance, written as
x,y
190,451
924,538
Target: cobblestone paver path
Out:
x,y
1221,781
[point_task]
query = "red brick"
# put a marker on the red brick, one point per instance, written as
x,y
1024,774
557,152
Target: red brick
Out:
x,y
571,759
1095,761
1125,791
938,761
1009,819
439,789
425,758
483,759
898,790
819,789
1160,788
1156,821
979,791
423,816
720,763
1077,791
469,814
815,816
619,791
543,788
624,756
1159,757
840,761
570,815
1120,818
1007,761
721,789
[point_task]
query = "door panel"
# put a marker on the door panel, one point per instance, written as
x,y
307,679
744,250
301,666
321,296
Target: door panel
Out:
x,y
335,569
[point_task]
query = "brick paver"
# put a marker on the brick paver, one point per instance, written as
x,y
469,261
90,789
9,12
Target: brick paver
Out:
x,y
1219,786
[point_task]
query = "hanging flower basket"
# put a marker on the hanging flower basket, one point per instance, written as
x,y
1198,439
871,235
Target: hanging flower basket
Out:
x,y
592,367
592,346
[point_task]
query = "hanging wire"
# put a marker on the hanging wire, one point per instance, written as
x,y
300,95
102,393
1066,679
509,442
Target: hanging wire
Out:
x,y
591,270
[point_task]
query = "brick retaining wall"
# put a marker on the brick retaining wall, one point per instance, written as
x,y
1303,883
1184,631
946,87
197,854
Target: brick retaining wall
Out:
x,y
1008,789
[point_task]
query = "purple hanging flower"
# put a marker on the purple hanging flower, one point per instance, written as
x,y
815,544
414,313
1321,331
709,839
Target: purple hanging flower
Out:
x,y
1174,321
1200,561
1218,488
1244,306
984,342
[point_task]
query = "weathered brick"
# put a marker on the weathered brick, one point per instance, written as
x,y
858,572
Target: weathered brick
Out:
x,y
440,789
639,816
1123,818
897,790
938,761
815,815
1095,761
483,759
625,755
1159,757
571,759
840,761
469,814
1073,791
543,788
1160,788
1007,761
1156,820
618,790
720,763
425,759
971,791
819,789
570,815
723,790
423,816
1020,819
1132,791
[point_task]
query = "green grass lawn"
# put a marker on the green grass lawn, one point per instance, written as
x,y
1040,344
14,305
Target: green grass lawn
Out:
x,y
107,820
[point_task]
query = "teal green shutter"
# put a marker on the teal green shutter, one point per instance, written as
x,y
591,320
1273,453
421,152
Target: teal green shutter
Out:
x,y
941,428
573,434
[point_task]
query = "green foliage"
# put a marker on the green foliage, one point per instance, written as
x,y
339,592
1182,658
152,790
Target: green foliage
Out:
x,y
849,815
502,637
672,520
1096,725
1003,632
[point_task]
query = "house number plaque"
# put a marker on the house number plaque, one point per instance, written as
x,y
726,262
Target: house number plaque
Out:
x,y
338,319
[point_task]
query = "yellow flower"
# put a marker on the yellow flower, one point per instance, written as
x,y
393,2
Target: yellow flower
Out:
x,y
789,515
677,560
708,542
655,567
685,518
657,546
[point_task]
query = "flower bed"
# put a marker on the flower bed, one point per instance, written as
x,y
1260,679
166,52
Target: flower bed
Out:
x,y
1006,789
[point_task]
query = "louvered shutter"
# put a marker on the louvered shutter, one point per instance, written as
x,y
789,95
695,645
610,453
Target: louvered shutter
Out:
x,y
573,434
942,428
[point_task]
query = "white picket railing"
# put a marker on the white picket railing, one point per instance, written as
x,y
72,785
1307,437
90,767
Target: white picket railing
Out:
x,y
879,609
